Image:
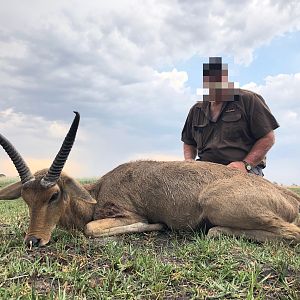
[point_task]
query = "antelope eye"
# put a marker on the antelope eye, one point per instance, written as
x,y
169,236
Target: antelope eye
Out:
x,y
54,197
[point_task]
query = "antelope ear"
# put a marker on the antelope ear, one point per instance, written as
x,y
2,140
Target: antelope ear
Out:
x,y
11,192
77,191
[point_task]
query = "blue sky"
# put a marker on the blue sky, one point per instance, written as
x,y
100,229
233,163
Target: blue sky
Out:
x,y
281,55
131,68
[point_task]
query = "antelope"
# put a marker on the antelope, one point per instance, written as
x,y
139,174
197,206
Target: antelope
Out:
x,y
146,195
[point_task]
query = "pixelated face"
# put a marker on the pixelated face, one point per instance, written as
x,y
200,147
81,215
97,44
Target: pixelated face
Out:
x,y
215,80
214,75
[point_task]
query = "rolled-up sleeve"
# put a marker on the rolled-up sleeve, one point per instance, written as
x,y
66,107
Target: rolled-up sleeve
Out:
x,y
187,132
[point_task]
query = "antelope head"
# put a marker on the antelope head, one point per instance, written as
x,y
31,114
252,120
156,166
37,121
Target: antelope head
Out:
x,y
47,192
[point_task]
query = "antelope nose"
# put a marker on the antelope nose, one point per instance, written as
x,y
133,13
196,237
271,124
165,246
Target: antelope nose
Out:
x,y
32,241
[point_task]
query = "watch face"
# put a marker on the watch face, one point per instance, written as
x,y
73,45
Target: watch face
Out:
x,y
248,167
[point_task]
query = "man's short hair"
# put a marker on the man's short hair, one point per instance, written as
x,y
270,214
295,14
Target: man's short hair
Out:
x,y
214,67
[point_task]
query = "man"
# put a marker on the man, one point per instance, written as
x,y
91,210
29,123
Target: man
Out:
x,y
230,126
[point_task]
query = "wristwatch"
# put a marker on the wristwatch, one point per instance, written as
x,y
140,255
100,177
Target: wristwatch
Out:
x,y
248,167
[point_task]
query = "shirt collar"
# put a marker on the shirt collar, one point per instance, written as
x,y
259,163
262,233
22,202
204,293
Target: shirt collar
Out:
x,y
205,105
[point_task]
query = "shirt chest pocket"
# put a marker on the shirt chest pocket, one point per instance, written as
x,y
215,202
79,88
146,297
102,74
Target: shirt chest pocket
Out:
x,y
200,133
232,126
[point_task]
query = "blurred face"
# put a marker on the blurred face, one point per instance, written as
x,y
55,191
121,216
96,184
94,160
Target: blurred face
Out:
x,y
215,80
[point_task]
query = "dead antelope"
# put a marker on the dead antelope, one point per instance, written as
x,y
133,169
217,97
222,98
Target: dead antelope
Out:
x,y
150,195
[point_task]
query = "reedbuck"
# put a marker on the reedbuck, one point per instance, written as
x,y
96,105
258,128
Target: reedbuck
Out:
x,y
150,195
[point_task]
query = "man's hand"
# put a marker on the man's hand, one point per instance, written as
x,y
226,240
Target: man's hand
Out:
x,y
189,160
237,165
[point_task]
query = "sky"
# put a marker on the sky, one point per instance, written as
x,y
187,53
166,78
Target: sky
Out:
x,y
132,69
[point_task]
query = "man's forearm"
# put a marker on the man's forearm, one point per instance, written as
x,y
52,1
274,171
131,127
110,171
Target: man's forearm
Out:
x,y
260,149
189,152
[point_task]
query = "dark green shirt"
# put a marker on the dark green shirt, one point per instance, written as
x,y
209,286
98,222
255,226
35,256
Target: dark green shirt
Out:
x,y
240,124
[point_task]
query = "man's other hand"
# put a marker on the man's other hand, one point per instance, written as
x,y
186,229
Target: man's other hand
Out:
x,y
190,160
237,165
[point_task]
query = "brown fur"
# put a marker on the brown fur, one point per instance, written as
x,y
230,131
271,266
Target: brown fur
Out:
x,y
149,195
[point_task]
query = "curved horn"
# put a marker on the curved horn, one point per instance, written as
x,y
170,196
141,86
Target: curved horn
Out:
x,y
54,171
22,168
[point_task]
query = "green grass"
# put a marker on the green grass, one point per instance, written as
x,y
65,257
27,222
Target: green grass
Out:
x,y
295,189
168,265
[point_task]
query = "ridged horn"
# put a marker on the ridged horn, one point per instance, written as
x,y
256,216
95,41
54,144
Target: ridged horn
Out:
x,y
22,168
55,170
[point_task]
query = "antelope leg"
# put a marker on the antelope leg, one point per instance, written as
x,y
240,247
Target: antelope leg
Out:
x,y
114,226
256,235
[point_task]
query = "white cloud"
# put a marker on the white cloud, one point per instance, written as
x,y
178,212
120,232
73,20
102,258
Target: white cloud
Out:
x,y
13,122
37,140
151,32
57,130
12,49
282,95
281,92
176,79
110,59
292,116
